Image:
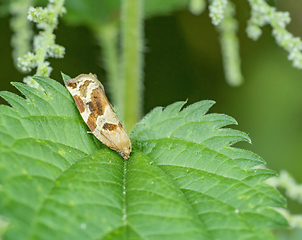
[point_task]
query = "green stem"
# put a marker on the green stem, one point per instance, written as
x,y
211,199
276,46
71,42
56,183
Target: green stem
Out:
x,y
230,47
108,37
132,42
43,52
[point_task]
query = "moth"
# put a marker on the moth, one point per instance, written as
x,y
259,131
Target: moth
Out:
x,y
98,114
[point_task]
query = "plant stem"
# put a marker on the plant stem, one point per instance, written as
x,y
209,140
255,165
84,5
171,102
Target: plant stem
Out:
x,y
108,37
43,53
230,47
21,39
132,42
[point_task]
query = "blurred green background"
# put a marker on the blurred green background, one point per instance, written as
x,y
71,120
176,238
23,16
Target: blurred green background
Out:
x,y
183,61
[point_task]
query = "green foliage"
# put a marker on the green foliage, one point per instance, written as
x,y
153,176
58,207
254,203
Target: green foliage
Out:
x,y
183,180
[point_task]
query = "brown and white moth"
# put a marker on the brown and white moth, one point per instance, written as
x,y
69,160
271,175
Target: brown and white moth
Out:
x,y
98,114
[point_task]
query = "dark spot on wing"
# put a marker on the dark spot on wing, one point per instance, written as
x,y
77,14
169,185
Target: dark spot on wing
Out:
x,y
91,122
79,102
71,84
98,102
109,126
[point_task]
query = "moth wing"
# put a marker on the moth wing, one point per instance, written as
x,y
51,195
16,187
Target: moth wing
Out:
x,y
112,132
98,114
95,77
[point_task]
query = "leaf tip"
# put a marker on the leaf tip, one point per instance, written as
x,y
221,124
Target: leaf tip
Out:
x,y
65,77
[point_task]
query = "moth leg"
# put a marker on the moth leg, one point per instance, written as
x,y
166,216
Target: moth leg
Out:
x,y
89,132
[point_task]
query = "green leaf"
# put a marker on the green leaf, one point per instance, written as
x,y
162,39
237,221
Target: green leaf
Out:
x,y
227,195
182,181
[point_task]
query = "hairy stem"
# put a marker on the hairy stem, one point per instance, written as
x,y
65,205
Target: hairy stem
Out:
x,y
108,37
22,29
230,47
132,42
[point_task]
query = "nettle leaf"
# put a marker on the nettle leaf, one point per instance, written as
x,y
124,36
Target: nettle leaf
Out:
x,y
182,181
217,180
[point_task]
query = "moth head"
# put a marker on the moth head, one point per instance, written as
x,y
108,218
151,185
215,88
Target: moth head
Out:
x,y
125,153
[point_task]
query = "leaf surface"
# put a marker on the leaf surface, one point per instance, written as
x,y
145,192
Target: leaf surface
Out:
x,y
182,181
